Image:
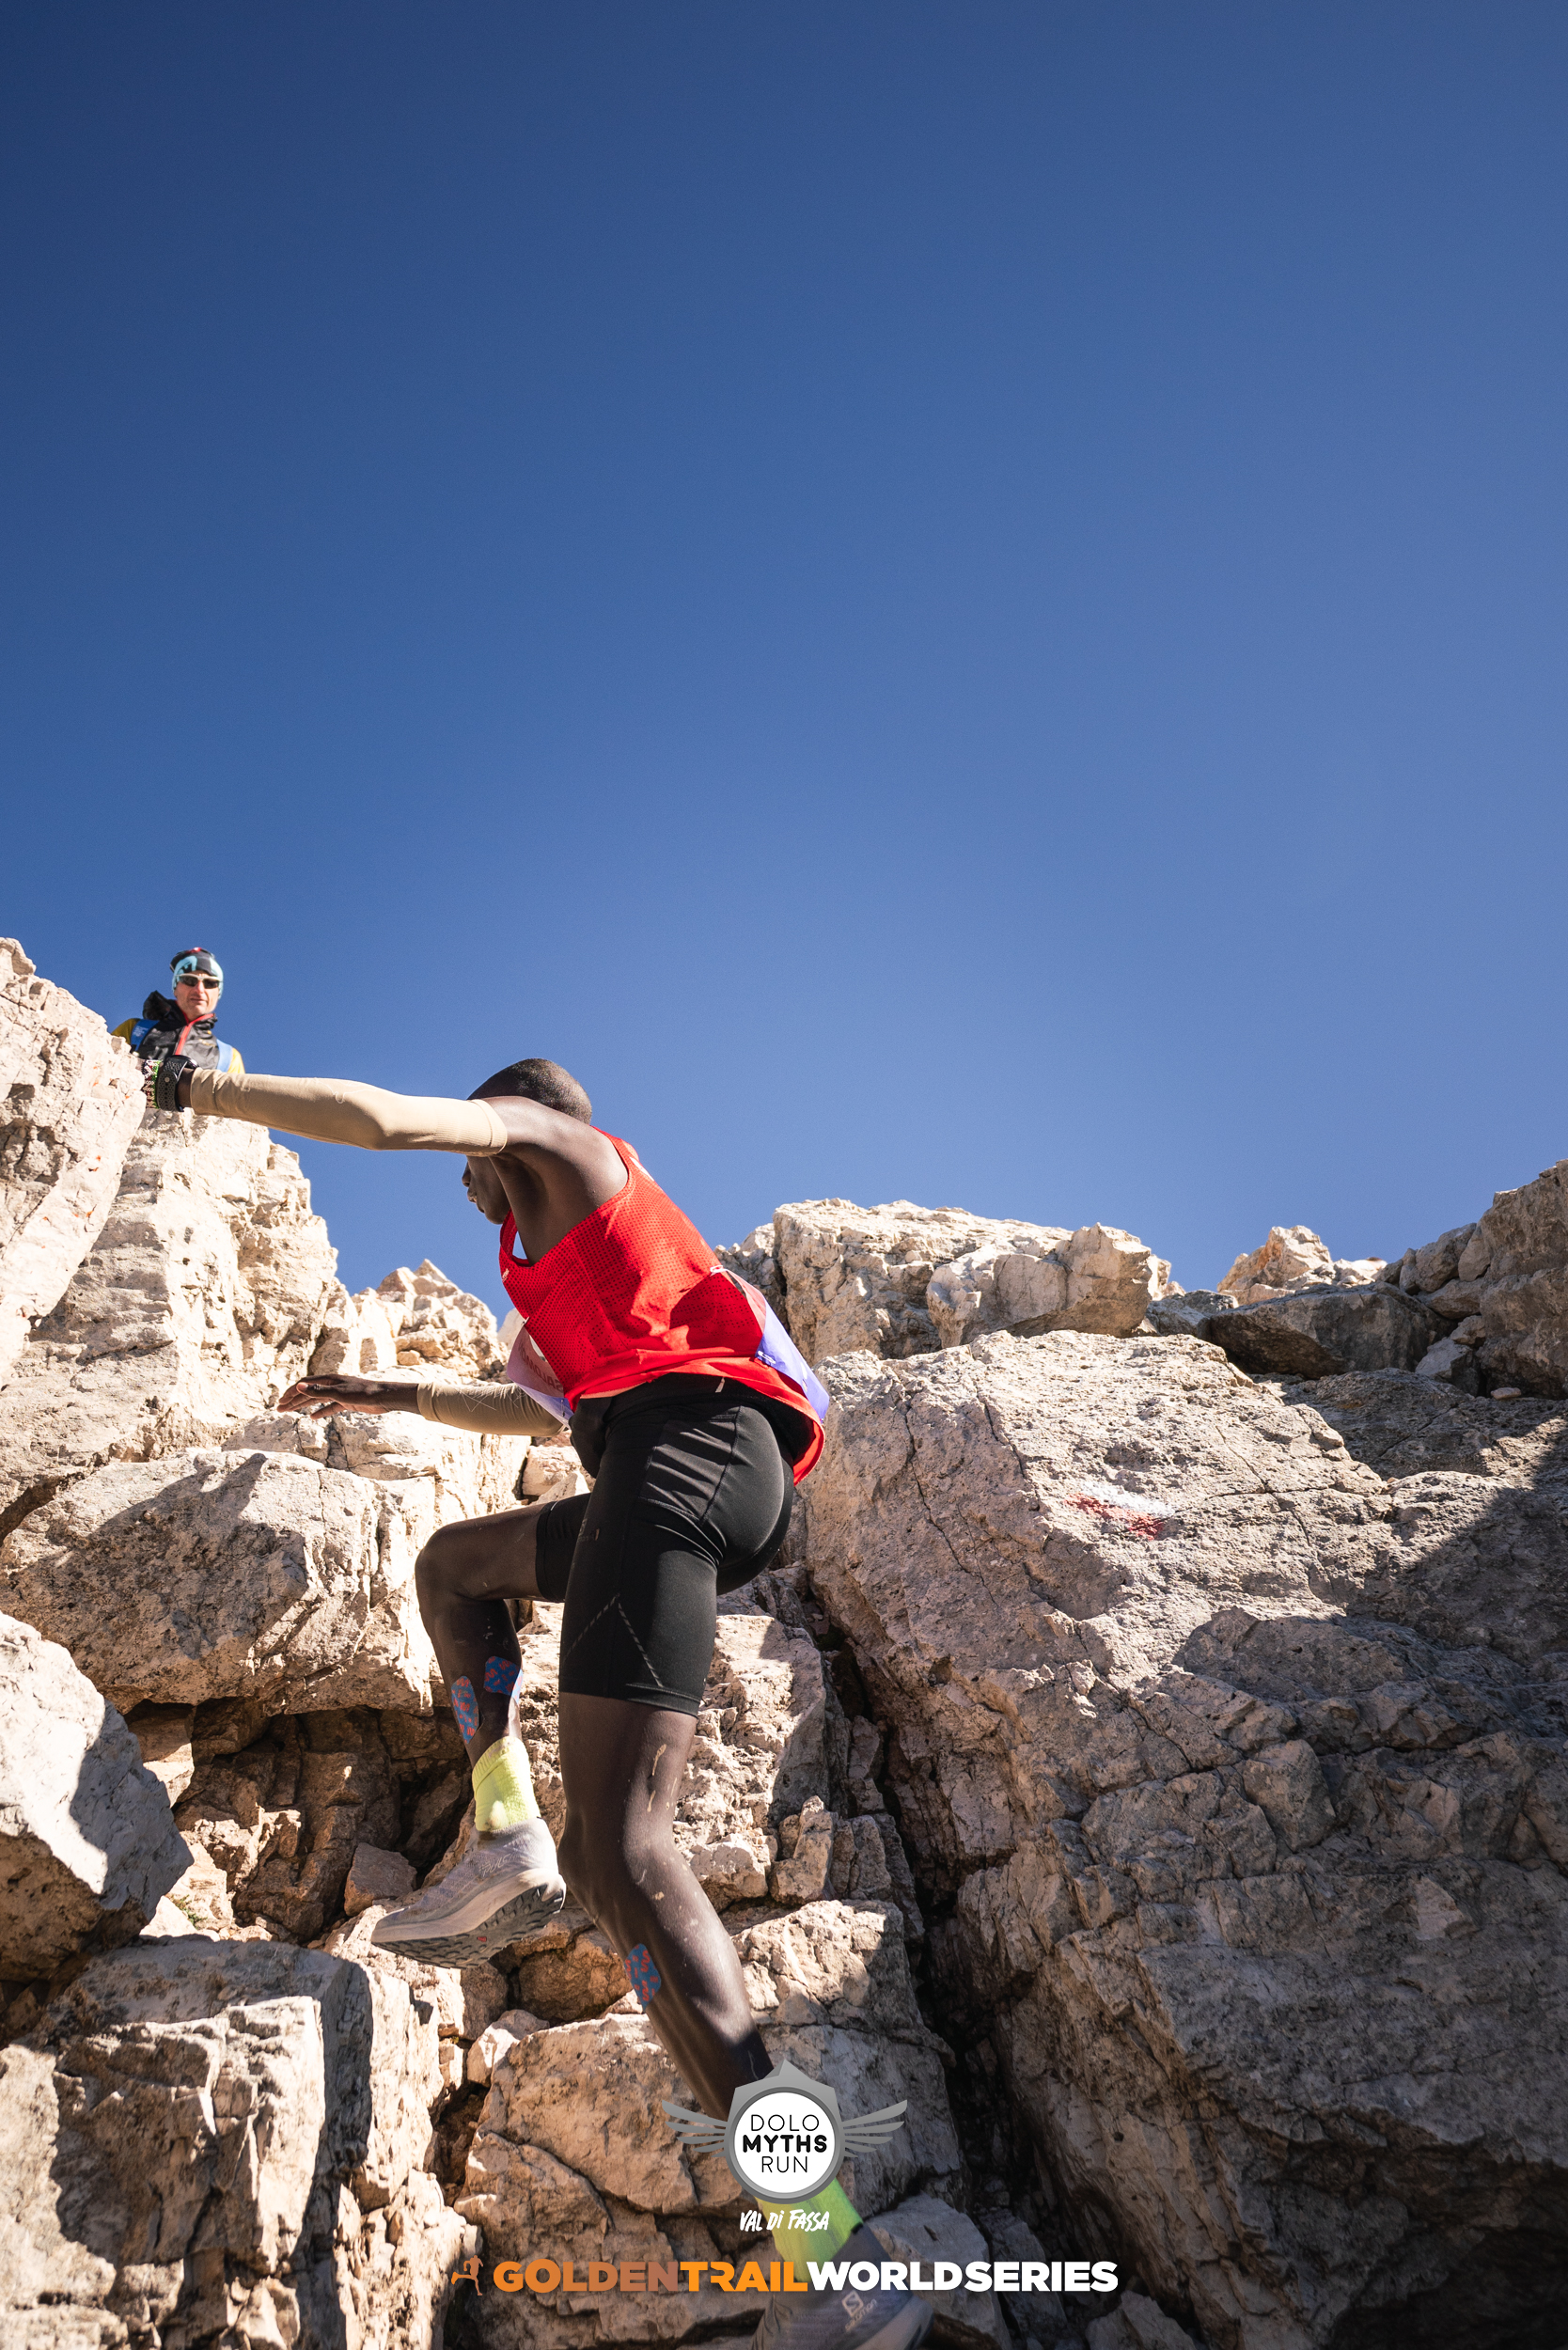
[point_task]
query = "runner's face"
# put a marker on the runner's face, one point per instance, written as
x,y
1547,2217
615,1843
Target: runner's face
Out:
x,y
197,998
483,1186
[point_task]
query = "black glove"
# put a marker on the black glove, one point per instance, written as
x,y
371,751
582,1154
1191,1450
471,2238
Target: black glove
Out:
x,y
163,1080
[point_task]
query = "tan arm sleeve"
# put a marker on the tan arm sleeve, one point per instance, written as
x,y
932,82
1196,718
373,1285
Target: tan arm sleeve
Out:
x,y
334,1109
501,1410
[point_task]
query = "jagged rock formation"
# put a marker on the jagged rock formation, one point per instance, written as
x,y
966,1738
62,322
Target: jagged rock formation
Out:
x,y
1294,1258
201,1298
1317,1334
240,2130
73,1099
1500,1287
905,1281
86,1845
1242,1776
1189,1754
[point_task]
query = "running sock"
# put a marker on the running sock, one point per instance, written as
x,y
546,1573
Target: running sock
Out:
x,y
503,1788
818,2242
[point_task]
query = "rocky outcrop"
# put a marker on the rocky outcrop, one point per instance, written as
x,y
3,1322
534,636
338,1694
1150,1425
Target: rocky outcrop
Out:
x,y
905,1281
239,2130
1315,1334
74,1099
1239,1775
235,1576
418,1321
86,1845
201,1298
1500,1287
1294,1258
572,2148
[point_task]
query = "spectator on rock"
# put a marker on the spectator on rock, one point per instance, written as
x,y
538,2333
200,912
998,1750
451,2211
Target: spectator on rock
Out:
x,y
184,1026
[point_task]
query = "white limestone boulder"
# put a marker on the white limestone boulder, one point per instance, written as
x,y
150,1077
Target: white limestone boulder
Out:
x,y
74,1099
903,1280
218,1575
1294,1258
88,1844
224,2141
1240,1768
199,1301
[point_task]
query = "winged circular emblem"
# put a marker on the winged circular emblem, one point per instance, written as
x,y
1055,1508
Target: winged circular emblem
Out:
x,y
785,2137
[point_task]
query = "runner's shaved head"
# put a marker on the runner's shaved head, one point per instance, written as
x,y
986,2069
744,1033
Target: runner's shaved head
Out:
x,y
544,1081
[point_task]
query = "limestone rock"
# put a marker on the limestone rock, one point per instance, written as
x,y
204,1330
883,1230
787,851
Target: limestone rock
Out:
x,y
904,1280
163,1735
497,2039
1400,1425
572,2132
441,1473
1509,1272
924,2230
463,2001
830,1987
435,1324
857,1277
275,1823
87,1841
1312,1334
1138,2324
199,1300
74,1099
1096,1279
1294,1258
377,1875
215,1574
232,2132
1188,1313
1237,1767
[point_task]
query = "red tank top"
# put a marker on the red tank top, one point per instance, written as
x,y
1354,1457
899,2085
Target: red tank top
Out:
x,y
632,1293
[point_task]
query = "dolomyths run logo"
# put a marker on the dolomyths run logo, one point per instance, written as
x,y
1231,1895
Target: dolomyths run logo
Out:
x,y
785,2138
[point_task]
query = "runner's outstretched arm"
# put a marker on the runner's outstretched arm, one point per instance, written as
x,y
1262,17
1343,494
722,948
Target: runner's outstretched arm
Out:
x,y
495,1409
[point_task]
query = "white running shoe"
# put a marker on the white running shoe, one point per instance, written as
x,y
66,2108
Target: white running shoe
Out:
x,y
503,1886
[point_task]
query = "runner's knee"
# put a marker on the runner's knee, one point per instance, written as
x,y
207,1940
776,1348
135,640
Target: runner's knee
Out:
x,y
438,1569
609,1872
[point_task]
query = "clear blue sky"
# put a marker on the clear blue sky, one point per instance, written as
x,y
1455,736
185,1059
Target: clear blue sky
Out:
x,y
963,602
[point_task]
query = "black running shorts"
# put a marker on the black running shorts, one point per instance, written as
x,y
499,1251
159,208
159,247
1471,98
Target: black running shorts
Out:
x,y
693,1489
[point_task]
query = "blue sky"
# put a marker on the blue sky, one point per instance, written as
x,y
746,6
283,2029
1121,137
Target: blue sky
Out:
x,y
962,602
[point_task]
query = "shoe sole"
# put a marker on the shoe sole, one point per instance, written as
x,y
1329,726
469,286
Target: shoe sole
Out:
x,y
448,1942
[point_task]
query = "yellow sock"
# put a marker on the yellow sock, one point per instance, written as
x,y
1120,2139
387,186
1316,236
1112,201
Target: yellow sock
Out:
x,y
800,2245
503,1787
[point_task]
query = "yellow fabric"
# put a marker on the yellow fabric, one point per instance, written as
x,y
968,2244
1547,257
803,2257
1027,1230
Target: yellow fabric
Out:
x,y
503,1788
794,2243
498,1410
334,1109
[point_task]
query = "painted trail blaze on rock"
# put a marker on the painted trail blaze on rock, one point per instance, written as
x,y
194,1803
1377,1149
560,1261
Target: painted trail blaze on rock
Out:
x,y
645,1977
1139,1512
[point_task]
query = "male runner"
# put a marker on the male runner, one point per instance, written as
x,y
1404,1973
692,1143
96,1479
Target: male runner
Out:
x,y
184,1026
695,1416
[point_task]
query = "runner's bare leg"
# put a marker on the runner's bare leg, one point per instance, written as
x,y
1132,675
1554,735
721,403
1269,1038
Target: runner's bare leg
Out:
x,y
622,1764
